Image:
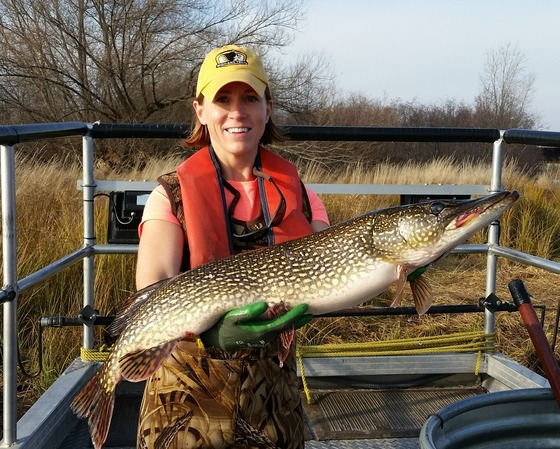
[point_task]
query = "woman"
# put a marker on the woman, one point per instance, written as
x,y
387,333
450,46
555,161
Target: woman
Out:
x,y
230,196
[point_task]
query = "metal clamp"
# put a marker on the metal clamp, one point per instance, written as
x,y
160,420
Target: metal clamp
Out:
x,y
7,294
494,304
88,315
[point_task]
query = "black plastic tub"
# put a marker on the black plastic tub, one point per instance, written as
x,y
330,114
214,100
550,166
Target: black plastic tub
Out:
x,y
515,419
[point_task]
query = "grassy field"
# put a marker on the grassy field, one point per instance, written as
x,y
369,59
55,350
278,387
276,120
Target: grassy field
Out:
x,y
50,226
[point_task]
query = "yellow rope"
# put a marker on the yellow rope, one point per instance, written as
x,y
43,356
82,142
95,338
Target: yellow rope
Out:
x,y
96,354
460,342
303,378
101,353
478,362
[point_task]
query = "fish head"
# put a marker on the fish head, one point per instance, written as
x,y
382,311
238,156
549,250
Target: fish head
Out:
x,y
417,234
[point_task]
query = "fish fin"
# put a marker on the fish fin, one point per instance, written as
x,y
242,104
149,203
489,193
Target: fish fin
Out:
x,y
400,286
95,402
286,337
140,365
285,341
422,294
130,306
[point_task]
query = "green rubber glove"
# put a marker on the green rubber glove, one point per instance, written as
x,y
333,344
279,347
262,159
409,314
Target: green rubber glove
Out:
x,y
241,328
416,273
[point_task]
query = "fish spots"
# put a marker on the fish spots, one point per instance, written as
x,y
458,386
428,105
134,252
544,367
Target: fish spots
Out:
x,y
340,267
106,383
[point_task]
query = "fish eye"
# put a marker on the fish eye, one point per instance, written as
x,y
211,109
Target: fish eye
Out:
x,y
436,207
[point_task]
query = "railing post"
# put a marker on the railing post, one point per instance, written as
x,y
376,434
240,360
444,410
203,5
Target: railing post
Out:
x,y
88,190
493,231
9,398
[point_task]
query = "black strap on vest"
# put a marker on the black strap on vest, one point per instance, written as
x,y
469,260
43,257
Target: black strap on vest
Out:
x,y
171,185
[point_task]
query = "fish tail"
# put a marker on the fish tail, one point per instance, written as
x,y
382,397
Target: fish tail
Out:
x,y
96,402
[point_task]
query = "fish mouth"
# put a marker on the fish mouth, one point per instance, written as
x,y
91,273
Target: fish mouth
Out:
x,y
471,210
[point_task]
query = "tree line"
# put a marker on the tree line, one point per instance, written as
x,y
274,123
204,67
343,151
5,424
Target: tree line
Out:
x,y
136,61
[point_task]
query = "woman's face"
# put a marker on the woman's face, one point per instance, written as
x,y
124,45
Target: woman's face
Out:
x,y
236,120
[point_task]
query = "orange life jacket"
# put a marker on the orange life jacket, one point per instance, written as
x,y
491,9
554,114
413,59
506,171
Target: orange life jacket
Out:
x,y
206,219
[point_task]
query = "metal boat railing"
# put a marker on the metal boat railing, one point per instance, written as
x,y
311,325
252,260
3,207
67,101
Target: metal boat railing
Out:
x,y
12,135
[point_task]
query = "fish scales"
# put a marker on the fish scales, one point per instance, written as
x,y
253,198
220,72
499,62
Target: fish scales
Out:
x,y
340,267
283,273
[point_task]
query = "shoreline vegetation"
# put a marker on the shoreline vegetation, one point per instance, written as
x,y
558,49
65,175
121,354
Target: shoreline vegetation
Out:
x,y
49,225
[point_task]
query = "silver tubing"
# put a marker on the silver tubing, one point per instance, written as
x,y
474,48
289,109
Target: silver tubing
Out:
x,y
470,248
7,162
53,268
493,231
491,272
526,259
112,248
497,161
88,192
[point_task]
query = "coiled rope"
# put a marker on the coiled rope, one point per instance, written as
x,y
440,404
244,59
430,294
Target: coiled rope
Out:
x,y
101,353
460,342
96,354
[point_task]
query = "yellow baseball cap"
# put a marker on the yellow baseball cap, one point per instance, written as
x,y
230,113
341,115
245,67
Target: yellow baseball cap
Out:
x,y
228,64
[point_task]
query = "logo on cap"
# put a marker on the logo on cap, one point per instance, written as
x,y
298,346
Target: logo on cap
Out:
x,y
230,57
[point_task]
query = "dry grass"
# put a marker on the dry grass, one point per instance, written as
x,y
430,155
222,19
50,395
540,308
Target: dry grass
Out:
x,y
49,226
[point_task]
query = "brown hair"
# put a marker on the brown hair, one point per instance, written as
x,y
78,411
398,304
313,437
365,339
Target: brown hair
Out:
x,y
199,136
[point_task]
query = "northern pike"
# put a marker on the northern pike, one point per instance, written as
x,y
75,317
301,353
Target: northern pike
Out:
x,y
342,266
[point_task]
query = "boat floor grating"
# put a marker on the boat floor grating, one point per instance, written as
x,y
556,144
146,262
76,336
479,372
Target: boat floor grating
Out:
x,y
336,419
364,414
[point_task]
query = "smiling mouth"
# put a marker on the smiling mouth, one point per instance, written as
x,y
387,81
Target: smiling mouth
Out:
x,y
237,130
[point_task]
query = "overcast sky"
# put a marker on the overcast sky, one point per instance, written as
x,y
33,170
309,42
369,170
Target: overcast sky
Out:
x,y
434,50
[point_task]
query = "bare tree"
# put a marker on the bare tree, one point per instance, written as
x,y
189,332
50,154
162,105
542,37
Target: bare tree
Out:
x,y
330,109
506,91
123,60
303,89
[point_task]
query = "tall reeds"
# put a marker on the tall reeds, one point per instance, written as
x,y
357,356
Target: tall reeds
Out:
x,y
49,225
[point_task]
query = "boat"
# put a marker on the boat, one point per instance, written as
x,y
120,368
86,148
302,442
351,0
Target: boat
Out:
x,y
367,400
